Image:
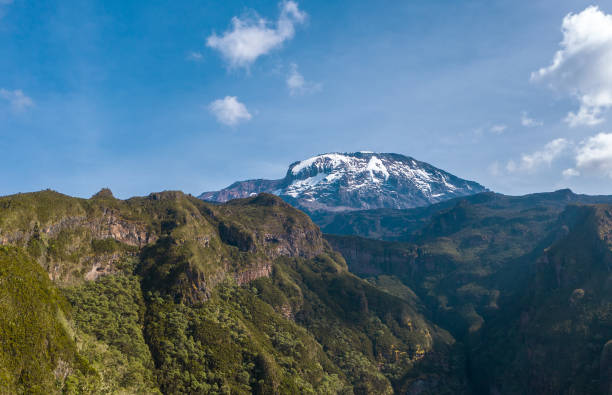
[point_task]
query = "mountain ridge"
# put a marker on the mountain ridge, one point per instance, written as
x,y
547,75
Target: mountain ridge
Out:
x,y
401,224
335,182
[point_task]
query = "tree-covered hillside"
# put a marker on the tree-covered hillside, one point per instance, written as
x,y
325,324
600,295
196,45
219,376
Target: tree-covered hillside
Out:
x,y
523,283
170,294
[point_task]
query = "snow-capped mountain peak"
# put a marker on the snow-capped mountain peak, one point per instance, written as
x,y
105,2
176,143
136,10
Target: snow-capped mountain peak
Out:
x,y
359,180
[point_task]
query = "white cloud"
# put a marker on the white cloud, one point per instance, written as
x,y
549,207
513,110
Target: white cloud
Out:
x,y
582,65
528,122
298,85
498,129
249,39
545,156
594,155
570,173
18,101
589,116
229,111
195,56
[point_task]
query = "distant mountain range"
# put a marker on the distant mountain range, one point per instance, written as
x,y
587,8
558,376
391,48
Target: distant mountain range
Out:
x,y
356,181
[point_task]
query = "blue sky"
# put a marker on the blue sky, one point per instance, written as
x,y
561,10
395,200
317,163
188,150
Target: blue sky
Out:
x,y
143,96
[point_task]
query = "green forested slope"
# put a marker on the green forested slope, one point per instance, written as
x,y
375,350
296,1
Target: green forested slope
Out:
x,y
169,294
525,285
37,354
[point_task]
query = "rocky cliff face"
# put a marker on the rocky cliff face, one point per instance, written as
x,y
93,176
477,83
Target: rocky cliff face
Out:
x,y
79,239
108,225
73,239
356,181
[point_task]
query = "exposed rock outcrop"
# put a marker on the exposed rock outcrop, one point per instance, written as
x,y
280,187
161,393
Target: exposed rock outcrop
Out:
x,y
109,225
253,273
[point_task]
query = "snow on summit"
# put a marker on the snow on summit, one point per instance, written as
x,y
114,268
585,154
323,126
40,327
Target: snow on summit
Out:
x,y
355,181
376,165
321,162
